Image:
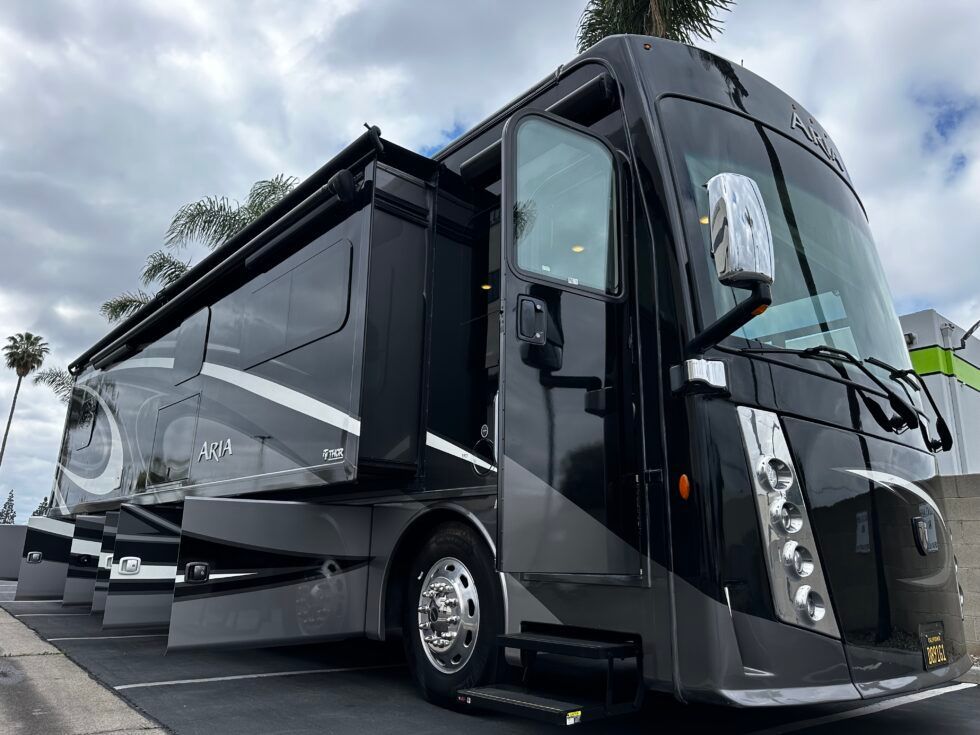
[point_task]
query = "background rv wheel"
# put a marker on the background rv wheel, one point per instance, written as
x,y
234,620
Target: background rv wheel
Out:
x,y
452,613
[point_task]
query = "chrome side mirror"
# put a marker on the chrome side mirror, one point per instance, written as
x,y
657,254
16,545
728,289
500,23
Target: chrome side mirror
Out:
x,y
741,240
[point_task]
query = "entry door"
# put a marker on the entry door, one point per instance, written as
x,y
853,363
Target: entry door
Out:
x,y
568,487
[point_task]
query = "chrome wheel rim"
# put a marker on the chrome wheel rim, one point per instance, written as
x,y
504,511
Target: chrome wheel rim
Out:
x,y
448,615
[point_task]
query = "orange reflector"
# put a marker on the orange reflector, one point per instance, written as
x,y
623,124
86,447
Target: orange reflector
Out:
x,y
759,309
684,487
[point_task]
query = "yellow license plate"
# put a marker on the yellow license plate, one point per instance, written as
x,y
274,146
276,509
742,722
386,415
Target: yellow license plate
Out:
x,y
933,649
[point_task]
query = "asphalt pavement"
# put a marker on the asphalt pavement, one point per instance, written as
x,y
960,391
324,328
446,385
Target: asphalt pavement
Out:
x,y
353,687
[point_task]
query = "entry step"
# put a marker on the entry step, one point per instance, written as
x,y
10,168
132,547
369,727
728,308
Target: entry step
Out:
x,y
514,700
560,645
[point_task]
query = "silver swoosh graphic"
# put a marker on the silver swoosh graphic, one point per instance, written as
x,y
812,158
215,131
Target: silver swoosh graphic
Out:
x,y
891,482
107,480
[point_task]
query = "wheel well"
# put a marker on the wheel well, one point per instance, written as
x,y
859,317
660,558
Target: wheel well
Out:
x,y
411,541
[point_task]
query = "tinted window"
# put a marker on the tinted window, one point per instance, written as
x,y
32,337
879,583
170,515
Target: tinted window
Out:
x,y
565,210
174,441
302,302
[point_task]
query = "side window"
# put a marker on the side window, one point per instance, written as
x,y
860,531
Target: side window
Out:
x,y
303,301
565,206
81,418
192,338
173,442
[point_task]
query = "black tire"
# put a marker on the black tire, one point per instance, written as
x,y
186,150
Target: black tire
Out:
x,y
457,540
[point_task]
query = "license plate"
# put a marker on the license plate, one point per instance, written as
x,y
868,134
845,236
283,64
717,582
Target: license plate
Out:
x,y
933,647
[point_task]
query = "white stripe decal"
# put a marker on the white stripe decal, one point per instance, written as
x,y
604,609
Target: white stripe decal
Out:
x,y
221,575
84,546
147,571
107,480
51,525
861,711
256,676
108,637
287,397
442,445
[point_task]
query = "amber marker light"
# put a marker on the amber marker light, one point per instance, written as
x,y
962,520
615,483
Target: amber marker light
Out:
x,y
704,220
759,309
684,487
485,286
578,249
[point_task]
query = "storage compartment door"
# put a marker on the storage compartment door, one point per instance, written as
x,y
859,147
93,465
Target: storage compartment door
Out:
x,y
44,564
141,581
83,561
262,572
11,548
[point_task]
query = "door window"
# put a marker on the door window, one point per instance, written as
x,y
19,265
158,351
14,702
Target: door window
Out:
x,y
565,206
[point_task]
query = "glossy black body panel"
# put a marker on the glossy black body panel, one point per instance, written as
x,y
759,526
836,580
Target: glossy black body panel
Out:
x,y
105,561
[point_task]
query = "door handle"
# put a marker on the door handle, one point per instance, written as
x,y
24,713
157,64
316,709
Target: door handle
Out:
x,y
532,320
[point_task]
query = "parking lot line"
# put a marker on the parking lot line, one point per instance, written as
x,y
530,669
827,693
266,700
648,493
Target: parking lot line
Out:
x,y
107,637
862,711
255,676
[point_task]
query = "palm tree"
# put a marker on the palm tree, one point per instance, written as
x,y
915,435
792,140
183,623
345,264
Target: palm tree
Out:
x,y
678,20
57,379
211,221
24,354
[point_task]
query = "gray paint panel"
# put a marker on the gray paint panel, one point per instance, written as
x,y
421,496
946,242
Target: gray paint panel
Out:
x,y
280,572
546,532
46,580
11,550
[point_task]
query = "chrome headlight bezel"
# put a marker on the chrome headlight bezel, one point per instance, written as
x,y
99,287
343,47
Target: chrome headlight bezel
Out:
x,y
801,599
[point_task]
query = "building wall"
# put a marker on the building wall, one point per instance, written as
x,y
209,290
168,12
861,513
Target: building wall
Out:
x,y
954,379
962,506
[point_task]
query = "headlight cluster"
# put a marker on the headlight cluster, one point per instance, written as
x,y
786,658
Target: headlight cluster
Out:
x,y
799,588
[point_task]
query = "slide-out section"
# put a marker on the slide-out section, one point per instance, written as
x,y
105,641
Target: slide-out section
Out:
x,y
105,561
257,572
83,560
141,581
11,550
44,562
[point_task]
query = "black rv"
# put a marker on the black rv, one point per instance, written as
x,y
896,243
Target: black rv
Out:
x,y
616,375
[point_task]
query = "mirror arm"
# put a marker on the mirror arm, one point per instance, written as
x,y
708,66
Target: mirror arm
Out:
x,y
758,301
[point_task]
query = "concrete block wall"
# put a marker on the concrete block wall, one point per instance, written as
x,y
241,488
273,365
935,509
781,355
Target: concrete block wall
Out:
x,y
962,501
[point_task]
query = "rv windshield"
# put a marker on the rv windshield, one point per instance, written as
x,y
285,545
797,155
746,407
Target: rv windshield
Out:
x,y
829,288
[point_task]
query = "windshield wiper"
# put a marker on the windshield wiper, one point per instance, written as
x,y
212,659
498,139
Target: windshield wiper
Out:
x,y
945,440
904,413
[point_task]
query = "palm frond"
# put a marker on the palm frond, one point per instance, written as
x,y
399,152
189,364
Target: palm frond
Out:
x,y
603,18
123,305
214,220
57,379
688,20
210,220
267,193
163,267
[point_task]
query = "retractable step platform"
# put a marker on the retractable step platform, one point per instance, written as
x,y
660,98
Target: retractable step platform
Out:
x,y
516,700
551,707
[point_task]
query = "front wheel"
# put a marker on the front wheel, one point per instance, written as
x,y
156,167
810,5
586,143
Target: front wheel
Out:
x,y
452,613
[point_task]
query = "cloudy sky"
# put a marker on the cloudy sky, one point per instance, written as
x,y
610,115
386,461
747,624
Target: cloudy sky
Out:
x,y
114,113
